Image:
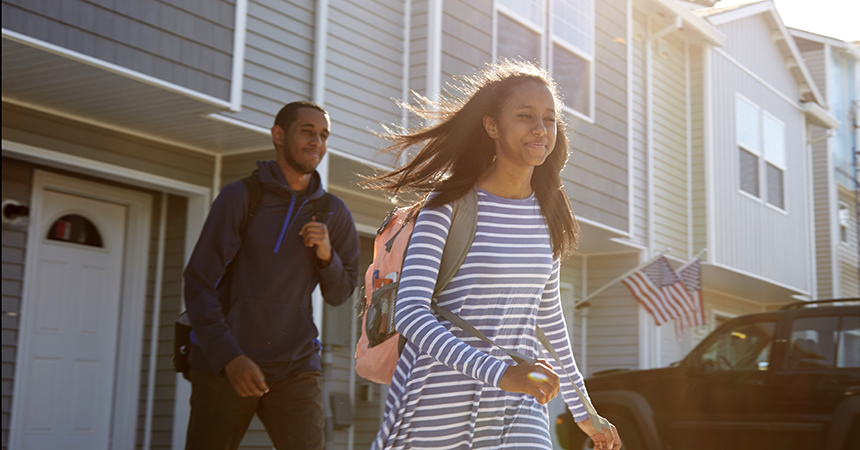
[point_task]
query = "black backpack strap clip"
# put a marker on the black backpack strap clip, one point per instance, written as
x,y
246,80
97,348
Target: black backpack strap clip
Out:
x,y
255,198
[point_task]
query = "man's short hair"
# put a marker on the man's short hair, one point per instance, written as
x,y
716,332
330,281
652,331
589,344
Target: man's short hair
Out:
x,y
290,113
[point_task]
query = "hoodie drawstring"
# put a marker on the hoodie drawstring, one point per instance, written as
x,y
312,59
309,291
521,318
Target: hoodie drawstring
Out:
x,y
288,222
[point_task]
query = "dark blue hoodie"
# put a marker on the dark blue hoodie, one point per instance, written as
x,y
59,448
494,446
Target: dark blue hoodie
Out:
x,y
272,276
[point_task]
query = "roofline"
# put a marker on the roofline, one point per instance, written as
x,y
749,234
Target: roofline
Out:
x,y
708,31
847,47
767,6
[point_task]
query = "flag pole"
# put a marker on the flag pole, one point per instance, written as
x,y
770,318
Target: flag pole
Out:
x,y
702,251
626,274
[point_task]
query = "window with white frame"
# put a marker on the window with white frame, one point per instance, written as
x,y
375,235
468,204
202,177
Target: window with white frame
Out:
x,y
748,139
844,221
761,152
558,35
774,155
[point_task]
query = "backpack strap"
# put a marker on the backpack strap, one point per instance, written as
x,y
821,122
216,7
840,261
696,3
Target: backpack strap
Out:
x,y
255,198
461,234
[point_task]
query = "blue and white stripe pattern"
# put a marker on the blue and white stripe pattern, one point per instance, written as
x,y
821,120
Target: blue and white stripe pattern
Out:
x,y
445,390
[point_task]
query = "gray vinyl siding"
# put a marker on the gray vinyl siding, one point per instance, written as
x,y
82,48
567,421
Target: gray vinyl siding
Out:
x,y
364,72
99,144
822,191
750,43
16,184
279,47
171,305
670,146
697,116
596,173
467,39
613,322
418,35
749,235
640,134
236,167
185,42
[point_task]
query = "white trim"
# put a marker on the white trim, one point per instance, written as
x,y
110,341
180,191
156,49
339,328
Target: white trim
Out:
x,y
732,296
621,233
577,114
100,169
114,68
846,47
810,213
749,9
710,33
126,393
707,105
832,187
630,127
156,323
689,123
219,117
750,196
820,116
752,74
365,230
649,137
776,208
107,126
434,49
238,72
583,342
320,49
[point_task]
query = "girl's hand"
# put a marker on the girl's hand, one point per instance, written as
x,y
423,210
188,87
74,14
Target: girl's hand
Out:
x,y
608,440
537,380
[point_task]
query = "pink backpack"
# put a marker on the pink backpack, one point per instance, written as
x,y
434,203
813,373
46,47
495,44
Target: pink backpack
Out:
x,y
380,345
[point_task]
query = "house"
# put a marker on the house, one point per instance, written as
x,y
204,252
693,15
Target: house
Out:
x,y
124,119
833,65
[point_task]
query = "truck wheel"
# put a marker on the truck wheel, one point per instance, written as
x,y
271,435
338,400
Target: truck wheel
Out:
x,y
630,436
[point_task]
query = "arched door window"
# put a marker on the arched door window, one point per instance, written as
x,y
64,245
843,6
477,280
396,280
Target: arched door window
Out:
x,y
75,229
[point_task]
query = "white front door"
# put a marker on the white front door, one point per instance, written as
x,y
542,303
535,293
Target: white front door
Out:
x,y
72,330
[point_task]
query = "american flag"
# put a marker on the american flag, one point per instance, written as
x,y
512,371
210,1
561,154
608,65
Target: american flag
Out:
x,y
660,290
692,278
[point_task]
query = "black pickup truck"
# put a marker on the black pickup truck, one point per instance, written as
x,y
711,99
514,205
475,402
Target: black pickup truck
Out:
x,y
787,379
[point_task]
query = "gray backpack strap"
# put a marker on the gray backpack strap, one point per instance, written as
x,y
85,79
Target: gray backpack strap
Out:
x,y
596,419
464,224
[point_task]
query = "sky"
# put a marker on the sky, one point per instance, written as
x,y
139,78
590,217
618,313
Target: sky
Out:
x,y
834,18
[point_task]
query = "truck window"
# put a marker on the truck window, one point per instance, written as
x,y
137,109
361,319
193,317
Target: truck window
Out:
x,y
824,343
743,347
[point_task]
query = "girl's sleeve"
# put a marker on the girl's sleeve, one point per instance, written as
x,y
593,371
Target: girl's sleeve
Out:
x,y
551,321
413,317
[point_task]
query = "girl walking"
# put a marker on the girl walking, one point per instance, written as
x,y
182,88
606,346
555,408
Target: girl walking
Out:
x,y
506,138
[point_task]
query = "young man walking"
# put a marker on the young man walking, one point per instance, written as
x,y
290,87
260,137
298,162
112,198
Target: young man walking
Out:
x,y
248,290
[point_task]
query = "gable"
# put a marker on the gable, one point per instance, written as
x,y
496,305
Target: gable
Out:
x,y
750,41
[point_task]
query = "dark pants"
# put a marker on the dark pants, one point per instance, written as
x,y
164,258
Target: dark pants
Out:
x,y
292,412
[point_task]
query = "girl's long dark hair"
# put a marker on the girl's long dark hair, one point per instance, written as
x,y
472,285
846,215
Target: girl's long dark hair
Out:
x,y
458,149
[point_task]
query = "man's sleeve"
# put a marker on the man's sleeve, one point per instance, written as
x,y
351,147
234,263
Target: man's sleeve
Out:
x,y
218,244
340,276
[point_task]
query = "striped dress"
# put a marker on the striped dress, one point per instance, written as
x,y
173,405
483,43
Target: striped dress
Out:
x,y
445,391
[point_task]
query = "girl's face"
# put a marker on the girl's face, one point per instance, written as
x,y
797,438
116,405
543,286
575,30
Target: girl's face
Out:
x,y
525,130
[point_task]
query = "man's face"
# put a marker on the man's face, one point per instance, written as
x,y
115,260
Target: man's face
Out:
x,y
303,145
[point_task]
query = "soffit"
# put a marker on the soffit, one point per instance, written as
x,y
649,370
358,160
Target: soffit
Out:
x,y
43,79
733,282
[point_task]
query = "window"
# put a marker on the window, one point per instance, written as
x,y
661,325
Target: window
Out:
x,y
748,139
844,221
774,154
562,42
742,347
75,229
761,152
824,343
